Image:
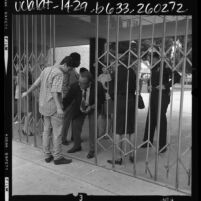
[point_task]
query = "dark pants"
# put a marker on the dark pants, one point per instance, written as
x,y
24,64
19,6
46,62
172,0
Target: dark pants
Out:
x,y
77,123
68,115
153,118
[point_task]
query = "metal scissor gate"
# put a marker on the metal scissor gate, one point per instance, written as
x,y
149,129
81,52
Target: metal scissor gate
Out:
x,y
130,37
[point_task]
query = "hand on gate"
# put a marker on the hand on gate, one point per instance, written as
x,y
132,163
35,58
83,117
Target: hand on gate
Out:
x,y
24,94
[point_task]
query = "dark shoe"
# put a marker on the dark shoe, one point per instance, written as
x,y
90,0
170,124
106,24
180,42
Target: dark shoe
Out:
x,y
66,142
49,159
74,149
90,155
117,162
62,161
145,145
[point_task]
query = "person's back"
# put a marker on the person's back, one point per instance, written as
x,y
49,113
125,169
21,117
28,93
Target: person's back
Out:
x,y
70,77
47,105
50,106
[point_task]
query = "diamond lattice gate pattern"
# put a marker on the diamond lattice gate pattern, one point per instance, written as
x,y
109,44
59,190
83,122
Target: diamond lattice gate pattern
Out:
x,y
142,57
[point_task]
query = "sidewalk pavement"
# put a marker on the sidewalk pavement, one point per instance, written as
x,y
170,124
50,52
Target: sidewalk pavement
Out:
x,y
32,176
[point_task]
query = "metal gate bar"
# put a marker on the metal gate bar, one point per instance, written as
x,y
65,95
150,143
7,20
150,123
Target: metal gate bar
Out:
x,y
53,27
19,78
26,58
171,98
162,60
44,36
115,91
181,106
160,98
127,85
35,66
149,113
96,88
137,94
27,69
107,63
13,80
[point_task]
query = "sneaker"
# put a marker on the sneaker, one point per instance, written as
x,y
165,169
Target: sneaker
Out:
x,y
90,154
62,161
49,159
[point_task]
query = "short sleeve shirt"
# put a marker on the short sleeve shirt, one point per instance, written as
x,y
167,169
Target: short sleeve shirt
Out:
x,y
51,80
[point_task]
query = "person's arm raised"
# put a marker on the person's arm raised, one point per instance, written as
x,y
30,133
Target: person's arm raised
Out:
x,y
32,88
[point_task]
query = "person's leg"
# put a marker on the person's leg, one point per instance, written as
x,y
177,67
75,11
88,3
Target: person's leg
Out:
x,y
30,109
46,137
91,116
56,129
110,124
151,119
101,125
119,146
57,143
110,116
71,132
77,123
118,152
131,147
163,123
66,124
15,108
26,127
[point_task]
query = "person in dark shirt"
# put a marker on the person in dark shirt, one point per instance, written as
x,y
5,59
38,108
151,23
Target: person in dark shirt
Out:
x,y
153,87
69,113
121,129
83,95
71,76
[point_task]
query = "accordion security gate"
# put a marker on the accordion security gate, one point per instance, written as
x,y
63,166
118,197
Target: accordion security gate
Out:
x,y
34,36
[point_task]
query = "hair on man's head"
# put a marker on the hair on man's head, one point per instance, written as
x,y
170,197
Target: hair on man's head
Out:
x,y
83,69
73,60
65,60
88,75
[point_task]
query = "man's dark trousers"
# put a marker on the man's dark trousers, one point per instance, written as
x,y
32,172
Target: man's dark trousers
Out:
x,y
68,115
153,117
77,124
